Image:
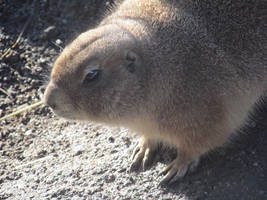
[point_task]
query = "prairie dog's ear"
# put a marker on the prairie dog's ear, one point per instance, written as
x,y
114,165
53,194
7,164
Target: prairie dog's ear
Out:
x,y
132,61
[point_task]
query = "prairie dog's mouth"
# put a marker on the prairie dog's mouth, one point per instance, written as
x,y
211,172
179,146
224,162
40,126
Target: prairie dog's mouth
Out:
x,y
63,113
69,114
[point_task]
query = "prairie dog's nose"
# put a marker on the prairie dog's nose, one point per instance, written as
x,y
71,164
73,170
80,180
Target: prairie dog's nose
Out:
x,y
50,95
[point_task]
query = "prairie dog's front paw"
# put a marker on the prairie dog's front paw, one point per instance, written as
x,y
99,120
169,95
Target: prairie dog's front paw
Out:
x,y
143,154
178,168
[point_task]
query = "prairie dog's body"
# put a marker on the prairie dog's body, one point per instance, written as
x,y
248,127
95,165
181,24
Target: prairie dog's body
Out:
x,y
185,73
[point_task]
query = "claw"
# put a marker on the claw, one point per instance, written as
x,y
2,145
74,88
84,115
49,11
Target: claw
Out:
x,y
135,151
180,174
147,160
137,160
168,177
177,169
143,154
166,169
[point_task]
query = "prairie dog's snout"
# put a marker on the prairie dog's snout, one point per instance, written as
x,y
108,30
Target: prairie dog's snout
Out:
x,y
51,95
58,101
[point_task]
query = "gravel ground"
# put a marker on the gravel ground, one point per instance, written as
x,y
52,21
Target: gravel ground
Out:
x,y
44,157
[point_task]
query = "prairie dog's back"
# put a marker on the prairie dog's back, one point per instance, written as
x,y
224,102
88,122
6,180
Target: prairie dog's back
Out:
x,y
229,34
210,53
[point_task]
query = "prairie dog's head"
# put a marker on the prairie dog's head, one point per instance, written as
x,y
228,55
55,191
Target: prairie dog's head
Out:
x,y
99,77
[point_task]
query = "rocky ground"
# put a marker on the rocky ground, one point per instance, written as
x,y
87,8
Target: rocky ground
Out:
x,y
44,157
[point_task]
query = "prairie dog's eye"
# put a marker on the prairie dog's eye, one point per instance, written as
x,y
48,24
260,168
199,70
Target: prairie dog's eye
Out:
x,y
91,76
131,61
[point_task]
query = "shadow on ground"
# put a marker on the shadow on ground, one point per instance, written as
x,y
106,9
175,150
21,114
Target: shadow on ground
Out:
x,y
238,171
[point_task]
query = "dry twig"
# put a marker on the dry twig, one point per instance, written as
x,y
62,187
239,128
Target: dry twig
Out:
x,y
5,92
22,110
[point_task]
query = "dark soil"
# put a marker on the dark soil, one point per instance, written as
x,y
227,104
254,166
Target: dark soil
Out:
x,y
44,157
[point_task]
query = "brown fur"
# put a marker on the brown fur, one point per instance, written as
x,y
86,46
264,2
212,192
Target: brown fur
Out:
x,y
191,86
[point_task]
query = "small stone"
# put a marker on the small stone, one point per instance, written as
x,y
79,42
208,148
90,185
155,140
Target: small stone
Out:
x,y
59,42
110,178
28,132
98,171
111,139
113,151
41,60
49,33
122,170
78,150
13,176
22,56
42,153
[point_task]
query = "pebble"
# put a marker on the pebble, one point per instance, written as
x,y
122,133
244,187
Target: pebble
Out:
x,y
28,132
111,139
49,33
78,150
59,42
110,178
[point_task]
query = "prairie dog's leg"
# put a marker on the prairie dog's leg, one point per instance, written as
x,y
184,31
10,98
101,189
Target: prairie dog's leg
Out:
x,y
144,153
194,143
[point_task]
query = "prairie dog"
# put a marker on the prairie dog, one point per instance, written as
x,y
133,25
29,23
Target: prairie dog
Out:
x,y
185,73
